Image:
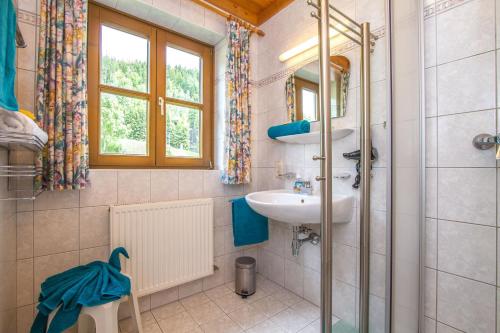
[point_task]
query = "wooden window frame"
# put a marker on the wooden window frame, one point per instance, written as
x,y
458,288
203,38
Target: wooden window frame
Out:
x,y
158,40
205,107
300,84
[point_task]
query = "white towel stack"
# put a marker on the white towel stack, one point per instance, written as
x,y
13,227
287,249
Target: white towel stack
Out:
x,y
20,124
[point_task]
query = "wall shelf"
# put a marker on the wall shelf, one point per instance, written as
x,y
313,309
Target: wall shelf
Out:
x,y
20,174
16,141
314,137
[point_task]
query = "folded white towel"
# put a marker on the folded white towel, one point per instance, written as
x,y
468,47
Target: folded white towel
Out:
x,y
19,123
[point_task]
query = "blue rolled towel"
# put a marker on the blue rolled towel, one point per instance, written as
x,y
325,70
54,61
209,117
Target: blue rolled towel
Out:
x,y
249,227
297,127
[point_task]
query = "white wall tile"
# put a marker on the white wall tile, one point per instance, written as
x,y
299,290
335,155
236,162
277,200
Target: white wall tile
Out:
x,y
431,142
216,279
431,226
431,192
467,195
465,304
344,258
430,284
133,186
25,235
467,85
26,57
376,318
57,200
25,282
377,231
164,185
25,317
276,268
212,185
52,264
164,297
312,283
55,231
377,274
477,36
371,11
442,328
94,226
103,189
429,325
294,277
431,92
467,250
430,42
190,184
455,133
378,102
89,255
222,211
344,301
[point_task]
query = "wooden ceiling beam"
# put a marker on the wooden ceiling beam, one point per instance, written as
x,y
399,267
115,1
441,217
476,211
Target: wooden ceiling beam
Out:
x,y
272,10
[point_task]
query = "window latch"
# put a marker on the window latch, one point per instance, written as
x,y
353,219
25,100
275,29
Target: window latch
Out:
x,y
161,103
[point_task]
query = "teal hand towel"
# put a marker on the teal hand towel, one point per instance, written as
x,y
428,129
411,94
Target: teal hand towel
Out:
x,y
248,226
7,56
297,127
89,285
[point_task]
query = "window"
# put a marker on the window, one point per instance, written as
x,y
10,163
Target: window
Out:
x,y
150,95
307,99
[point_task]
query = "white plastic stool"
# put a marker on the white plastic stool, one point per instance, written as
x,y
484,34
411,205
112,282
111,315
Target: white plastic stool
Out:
x,y
105,316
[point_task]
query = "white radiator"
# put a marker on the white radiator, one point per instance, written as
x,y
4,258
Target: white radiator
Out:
x,y
169,243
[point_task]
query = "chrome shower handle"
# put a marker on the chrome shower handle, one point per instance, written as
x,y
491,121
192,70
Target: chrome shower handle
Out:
x,y
486,141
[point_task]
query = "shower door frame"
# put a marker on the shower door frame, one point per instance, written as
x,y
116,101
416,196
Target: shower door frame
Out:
x,y
362,36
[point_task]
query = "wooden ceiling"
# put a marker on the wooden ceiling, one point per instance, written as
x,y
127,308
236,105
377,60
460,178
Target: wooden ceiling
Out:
x,y
255,12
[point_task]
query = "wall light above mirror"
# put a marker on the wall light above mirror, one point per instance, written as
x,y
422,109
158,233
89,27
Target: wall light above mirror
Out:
x,y
302,90
307,45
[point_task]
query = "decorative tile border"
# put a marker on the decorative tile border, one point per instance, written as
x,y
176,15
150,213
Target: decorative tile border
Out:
x,y
341,49
27,17
442,6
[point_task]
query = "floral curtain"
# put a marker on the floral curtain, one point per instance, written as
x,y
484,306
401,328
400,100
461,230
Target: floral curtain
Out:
x,y
291,102
237,142
62,94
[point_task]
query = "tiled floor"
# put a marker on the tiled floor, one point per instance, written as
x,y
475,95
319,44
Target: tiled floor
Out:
x,y
272,309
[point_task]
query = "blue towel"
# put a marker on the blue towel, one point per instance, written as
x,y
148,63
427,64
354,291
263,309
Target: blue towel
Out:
x,y
297,127
89,285
7,55
248,226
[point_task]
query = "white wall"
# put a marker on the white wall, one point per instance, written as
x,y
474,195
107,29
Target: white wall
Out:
x,y
462,221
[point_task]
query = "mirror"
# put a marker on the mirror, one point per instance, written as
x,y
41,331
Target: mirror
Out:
x,y
302,90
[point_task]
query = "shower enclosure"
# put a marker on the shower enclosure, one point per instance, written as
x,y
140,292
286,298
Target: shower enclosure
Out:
x,y
383,270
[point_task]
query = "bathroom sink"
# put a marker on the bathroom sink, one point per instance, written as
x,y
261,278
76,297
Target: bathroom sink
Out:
x,y
289,207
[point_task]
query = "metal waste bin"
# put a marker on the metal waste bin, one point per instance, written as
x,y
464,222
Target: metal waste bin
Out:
x,y
245,276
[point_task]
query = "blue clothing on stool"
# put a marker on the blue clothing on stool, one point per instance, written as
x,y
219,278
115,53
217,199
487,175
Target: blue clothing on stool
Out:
x,y
248,226
88,285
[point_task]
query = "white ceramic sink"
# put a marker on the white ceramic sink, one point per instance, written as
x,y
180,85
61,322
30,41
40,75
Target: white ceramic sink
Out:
x,y
289,207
